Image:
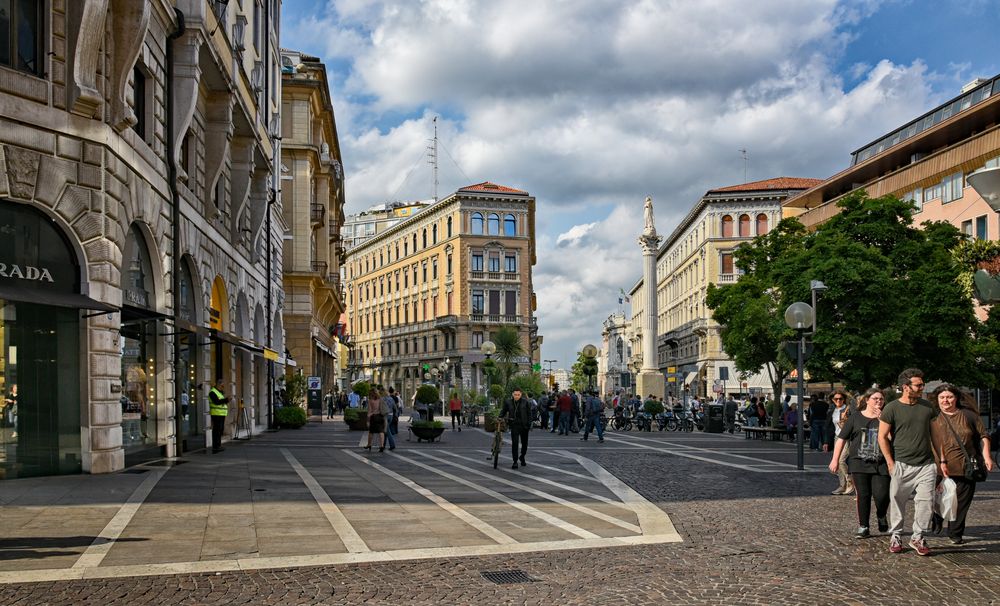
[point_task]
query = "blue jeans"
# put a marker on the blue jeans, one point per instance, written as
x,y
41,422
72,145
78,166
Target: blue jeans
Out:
x,y
389,435
817,434
592,421
564,423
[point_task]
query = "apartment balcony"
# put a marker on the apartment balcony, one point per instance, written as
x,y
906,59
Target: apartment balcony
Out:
x,y
334,231
333,281
446,322
495,276
317,214
319,267
494,319
728,278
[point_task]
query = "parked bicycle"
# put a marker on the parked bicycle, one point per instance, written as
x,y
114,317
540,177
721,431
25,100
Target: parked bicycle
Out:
x,y
666,420
643,422
472,416
621,421
498,440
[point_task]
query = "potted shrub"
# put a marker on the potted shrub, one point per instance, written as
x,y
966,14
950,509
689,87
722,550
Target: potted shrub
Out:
x,y
490,419
979,261
652,407
427,430
290,417
356,419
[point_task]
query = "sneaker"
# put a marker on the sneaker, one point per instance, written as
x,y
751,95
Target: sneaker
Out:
x,y
514,466
837,491
920,546
862,533
883,525
895,545
523,464
848,490
957,540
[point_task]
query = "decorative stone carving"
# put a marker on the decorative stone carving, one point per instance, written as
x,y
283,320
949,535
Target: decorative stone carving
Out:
x,y
85,99
218,135
187,76
22,171
129,22
242,173
4,187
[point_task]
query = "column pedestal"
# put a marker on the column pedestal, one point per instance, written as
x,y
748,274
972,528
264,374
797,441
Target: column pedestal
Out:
x,y
650,382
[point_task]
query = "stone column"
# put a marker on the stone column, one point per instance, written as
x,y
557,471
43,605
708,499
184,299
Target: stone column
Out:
x,y
650,380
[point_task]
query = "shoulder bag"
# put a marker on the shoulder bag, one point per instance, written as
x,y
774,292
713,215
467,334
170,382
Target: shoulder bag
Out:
x,y
975,470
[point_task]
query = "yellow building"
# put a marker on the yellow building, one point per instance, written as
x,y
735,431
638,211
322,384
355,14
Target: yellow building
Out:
x,y
313,196
428,291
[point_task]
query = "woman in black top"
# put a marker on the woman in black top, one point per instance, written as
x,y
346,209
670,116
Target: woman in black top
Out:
x,y
865,461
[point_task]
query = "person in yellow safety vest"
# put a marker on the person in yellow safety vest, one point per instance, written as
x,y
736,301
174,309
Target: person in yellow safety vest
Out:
x,y
218,408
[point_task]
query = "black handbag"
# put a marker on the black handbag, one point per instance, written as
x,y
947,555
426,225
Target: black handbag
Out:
x,y
975,470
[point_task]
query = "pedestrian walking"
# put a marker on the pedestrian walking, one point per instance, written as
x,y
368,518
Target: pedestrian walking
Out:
x,y
544,410
392,420
819,410
858,439
378,410
455,406
959,437
565,405
791,420
517,411
839,413
911,459
594,409
330,400
397,411
218,409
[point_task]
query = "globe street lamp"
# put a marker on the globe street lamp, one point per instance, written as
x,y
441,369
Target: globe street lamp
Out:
x,y
986,182
800,317
488,348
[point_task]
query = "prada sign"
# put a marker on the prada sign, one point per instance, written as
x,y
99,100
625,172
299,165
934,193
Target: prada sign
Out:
x,y
12,271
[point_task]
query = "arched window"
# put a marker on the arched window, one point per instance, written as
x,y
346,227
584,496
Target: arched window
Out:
x,y
414,242
424,238
493,224
744,226
761,224
727,227
509,225
477,224
434,234
449,227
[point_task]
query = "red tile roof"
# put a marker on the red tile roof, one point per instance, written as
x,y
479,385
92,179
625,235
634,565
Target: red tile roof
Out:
x,y
777,183
486,186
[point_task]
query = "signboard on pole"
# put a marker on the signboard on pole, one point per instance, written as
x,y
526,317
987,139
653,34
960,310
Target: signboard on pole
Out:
x,y
314,383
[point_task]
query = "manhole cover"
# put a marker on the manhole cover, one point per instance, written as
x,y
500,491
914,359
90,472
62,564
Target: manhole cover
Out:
x,y
507,577
973,558
135,470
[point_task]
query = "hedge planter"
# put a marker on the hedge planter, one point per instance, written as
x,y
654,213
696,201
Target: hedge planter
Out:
x,y
357,420
427,433
489,424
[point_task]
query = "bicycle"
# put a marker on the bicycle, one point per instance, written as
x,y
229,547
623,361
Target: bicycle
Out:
x,y
498,440
472,416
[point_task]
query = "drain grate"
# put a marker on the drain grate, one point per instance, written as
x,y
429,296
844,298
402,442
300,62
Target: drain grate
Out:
x,y
507,577
973,558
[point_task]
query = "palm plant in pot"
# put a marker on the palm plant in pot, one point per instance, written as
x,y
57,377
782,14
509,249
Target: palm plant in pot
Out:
x,y
427,430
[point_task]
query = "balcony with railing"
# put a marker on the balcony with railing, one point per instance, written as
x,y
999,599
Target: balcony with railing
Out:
x,y
728,278
317,213
494,319
333,280
319,267
334,231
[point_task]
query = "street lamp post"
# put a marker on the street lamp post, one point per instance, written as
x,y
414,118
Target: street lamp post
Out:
x,y
488,348
589,352
800,317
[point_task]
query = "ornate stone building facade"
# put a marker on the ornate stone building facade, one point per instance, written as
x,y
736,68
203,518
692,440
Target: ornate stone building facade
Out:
x,y
431,289
699,252
136,151
312,185
614,373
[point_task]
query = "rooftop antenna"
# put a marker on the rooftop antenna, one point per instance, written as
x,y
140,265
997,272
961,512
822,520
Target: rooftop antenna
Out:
x,y
432,157
746,164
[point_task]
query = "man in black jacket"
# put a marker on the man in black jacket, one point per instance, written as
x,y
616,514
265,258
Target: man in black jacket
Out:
x,y
517,411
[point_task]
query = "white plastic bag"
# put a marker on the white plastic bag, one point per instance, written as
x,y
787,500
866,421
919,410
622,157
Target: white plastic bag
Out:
x,y
946,500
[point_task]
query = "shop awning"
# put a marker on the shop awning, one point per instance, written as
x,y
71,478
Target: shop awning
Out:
x,y
58,299
692,377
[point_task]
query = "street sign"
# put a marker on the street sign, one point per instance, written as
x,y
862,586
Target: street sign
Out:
x,y
672,369
313,383
671,379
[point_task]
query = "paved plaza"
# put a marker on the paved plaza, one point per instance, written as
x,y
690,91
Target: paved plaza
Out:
x,y
307,517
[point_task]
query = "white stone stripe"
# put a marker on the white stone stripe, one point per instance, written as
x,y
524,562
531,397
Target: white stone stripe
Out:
x,y
545,495
332,559
652,519
782,467
348,536
538,513
441,502
560,485
102,544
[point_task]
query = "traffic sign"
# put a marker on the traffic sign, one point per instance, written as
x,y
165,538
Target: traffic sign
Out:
x,y
313,383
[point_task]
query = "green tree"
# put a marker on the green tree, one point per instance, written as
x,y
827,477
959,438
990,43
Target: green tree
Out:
x,y
530,384
892,301
581,372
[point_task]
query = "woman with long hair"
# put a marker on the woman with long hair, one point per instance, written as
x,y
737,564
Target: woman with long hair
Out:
x,y
957,434
865,461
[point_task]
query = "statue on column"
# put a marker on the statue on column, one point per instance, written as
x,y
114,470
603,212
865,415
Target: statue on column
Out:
x,y
650,228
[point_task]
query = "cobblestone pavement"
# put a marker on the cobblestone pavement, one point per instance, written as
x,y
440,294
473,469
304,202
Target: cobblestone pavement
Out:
x,y
749,537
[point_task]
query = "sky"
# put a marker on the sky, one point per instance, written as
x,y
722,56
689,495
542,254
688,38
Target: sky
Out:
x,y
591,105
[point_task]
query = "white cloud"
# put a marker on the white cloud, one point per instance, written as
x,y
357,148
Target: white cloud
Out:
x,y
590,106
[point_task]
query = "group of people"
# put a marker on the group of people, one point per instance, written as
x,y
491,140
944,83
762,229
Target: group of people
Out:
x,y
384,410
908,446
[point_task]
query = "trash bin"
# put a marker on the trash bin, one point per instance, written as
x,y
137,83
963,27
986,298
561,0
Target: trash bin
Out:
x,y
714,420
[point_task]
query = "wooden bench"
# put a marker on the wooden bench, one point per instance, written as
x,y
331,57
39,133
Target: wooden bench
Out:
x,y
775,433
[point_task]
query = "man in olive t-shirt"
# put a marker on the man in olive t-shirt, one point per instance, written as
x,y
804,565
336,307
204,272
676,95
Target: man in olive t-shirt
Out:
x,y
911,459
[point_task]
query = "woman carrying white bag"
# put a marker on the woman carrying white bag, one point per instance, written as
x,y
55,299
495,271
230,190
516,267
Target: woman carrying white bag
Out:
x,y
959,435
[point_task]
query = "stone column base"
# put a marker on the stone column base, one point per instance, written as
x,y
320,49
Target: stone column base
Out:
x,y
650,382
